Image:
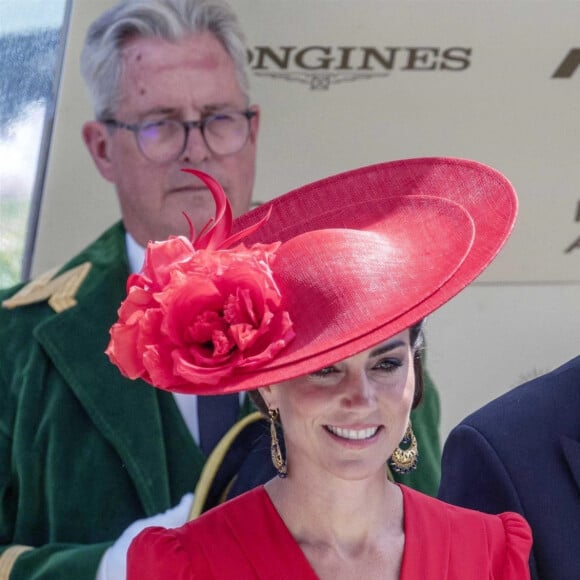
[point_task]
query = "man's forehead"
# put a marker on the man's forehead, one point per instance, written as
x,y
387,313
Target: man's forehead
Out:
x,y
195,72
199,51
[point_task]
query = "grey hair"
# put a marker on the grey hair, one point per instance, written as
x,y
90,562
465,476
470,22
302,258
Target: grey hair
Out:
x,y
171,20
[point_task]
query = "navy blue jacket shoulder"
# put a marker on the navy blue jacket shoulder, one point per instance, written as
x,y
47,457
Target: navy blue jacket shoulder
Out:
x,y
521,453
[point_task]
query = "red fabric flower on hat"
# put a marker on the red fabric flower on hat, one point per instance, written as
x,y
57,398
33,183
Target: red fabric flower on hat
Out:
x,y
197,311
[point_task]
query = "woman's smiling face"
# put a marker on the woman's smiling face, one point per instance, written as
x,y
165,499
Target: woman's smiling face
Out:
x,y
348,418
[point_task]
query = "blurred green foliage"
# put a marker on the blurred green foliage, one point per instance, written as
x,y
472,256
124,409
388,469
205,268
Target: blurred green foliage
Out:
x,y
13,216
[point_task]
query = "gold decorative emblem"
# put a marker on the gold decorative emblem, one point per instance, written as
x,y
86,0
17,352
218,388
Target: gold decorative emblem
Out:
x,y
60,291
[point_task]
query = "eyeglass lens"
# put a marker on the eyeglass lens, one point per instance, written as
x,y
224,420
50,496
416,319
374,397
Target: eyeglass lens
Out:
x,y
166,140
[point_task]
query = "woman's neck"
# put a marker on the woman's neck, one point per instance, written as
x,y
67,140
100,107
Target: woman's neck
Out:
x,y
344,528
345,513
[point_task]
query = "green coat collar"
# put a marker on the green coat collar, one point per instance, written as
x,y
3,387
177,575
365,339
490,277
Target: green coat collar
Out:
x,y
75,341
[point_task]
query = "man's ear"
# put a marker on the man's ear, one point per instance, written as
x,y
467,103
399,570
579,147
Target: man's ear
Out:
x,y
97,138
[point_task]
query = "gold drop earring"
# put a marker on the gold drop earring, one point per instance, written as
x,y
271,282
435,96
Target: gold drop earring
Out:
x,y
405,460
277,460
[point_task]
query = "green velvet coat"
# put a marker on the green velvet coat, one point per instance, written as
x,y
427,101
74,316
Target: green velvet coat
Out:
x,y
83,451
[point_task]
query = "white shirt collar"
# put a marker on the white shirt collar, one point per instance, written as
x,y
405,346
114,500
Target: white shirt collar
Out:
x,y
135,253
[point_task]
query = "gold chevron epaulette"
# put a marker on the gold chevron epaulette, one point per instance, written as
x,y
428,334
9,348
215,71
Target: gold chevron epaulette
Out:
x,y
60,291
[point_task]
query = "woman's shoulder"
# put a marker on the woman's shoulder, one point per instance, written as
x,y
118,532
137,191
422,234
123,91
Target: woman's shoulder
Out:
x,y
504,525
469,537
166,553
194,548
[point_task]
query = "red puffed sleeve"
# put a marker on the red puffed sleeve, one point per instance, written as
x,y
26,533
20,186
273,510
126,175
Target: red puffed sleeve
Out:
x,y
518,545
164,554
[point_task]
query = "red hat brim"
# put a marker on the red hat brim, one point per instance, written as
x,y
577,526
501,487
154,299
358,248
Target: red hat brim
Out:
x,y
370,252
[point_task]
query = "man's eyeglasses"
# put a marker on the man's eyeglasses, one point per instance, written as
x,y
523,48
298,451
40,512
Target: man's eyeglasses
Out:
x,y
162,141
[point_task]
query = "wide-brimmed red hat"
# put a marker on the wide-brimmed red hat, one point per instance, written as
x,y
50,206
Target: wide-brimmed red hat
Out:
x,y
363,255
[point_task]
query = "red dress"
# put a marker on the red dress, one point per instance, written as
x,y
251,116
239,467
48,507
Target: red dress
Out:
x,y
246,539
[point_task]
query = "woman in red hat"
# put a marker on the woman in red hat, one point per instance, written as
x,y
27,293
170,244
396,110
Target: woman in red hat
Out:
x,y
315,303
